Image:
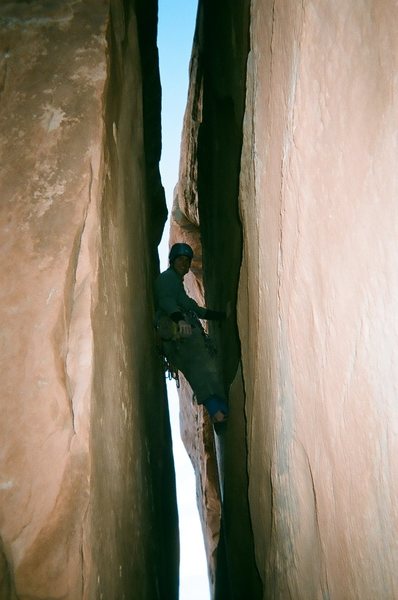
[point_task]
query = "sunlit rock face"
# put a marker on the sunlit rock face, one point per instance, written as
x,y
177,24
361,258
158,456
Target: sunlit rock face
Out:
x,y
87,506
318,297
313,402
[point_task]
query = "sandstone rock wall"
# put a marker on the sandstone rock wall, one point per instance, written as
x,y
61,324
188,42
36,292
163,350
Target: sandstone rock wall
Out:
x,y
318,297
206,215
87,505
314,399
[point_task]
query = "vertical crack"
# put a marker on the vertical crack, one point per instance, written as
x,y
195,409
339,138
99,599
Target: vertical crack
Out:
x,y
4,70
7,586
324,579
84,582
71,294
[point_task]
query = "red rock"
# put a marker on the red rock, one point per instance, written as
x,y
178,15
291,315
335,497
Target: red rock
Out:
x,y
317,290
82,462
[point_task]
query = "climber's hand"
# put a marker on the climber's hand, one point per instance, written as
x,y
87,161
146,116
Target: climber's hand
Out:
x,y
184,329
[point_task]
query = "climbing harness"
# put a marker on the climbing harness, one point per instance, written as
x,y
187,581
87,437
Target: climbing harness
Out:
x,y
167,330
168,368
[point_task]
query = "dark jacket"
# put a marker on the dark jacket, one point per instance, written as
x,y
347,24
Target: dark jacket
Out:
x,y
172,299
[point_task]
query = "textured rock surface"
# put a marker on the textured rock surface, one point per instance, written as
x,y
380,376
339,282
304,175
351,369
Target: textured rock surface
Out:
x,y
318,297
84,467
206,216
314,404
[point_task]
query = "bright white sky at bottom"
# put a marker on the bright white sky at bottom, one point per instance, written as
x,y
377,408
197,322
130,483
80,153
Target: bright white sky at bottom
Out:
x,y
193,569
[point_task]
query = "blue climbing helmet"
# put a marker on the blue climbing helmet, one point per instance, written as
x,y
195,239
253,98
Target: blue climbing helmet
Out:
x,y
180,250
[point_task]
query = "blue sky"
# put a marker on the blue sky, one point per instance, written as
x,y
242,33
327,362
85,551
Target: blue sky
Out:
x,y
175,35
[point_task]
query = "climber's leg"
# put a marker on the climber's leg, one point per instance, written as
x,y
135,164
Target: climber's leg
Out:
x,y
192,357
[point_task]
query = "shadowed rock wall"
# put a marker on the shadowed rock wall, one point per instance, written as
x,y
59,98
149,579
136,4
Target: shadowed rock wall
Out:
x,y
315,406
87,505
206,215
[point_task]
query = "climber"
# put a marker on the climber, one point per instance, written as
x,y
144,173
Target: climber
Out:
x,y
184,342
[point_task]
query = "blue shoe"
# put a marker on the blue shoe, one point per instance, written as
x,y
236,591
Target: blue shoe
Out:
x,y
217,408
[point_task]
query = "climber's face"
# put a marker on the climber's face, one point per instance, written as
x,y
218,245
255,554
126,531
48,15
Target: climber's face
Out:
x,y
181,265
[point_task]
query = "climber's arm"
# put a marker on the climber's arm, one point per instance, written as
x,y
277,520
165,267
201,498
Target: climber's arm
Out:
x,y
214,315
